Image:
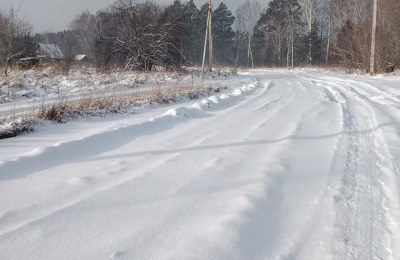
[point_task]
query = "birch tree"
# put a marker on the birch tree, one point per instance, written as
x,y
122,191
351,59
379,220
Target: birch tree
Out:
x,y
293,11
247,16
309,12
142,36
86,27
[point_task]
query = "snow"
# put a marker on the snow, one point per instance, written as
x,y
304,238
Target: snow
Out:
x,y
28,90
300,164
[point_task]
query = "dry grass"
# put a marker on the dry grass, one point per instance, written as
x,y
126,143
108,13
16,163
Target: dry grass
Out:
x,y
65,110
15,128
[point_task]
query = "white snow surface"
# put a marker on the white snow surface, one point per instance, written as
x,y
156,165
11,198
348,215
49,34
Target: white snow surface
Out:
x,y
282,165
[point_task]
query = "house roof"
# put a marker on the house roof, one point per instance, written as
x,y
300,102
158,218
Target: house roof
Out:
x,y
51,51
80,57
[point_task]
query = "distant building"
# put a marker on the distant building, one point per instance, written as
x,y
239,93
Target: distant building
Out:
x,y
44,54
49,52
81,58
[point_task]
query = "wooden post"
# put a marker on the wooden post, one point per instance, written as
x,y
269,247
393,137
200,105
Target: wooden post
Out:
x,y
210,38
210,41
373,40
205,46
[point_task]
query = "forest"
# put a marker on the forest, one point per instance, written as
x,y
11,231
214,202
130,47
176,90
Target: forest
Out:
x,y
139,35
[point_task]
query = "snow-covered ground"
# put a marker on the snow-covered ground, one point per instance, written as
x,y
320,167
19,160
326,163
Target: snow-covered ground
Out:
x,y
282,165
25,91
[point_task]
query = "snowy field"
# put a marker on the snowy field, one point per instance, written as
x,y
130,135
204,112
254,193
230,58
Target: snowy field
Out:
x,y
281,165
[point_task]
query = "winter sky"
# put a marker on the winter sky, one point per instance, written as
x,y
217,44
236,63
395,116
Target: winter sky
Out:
x,y
54,15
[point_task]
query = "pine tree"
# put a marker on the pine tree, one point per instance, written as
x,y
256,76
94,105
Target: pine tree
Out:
x,y
174,17
198,34
190,11
223,34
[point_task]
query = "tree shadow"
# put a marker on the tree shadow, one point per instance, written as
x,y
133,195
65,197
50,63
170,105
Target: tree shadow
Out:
x,y
243,143
91,147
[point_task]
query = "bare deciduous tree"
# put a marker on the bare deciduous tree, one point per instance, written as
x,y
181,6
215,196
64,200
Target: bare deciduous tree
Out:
x,y
11,29
86,26
247,16
141,36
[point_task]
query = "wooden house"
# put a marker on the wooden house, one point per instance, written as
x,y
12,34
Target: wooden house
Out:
x,y
49,52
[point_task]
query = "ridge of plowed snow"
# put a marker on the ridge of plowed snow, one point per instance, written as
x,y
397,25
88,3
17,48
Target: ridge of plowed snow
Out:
x,y
59,153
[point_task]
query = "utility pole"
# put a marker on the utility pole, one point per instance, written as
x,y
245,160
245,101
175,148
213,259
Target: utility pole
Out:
x,y
373,40
205,47
210,40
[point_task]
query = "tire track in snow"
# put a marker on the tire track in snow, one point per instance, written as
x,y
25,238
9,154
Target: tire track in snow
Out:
x,y
221,132
253,216
163,160
238,198
82,153
193,187
387,165
63,209
296,240
363,216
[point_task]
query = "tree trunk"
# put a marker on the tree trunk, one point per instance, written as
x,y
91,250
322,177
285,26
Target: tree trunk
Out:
x,y
237,49
310,49
292,40
292,32
251,55
373,40
248,50
328,44
288,51
309,8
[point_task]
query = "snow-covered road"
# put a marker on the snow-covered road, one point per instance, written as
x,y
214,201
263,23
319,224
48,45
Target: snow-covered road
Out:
x,y
284,165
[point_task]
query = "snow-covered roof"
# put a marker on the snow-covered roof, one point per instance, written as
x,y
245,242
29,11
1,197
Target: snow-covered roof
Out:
x,y
29,58
51,51
80,57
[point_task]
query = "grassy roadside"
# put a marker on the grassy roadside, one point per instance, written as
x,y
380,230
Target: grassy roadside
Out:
x,y
66,110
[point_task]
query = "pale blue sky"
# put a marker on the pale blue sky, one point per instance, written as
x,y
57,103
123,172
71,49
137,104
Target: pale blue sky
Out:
x,y
54,15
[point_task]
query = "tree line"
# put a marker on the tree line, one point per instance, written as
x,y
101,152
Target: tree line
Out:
x,y
143,35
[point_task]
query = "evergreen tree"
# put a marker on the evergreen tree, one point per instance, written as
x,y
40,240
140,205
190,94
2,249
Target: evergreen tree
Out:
x,y
223,35
198,34
190,11
274,32
174,17
316,47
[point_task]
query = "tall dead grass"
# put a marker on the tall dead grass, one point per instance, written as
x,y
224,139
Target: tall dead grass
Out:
x,y
64,110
